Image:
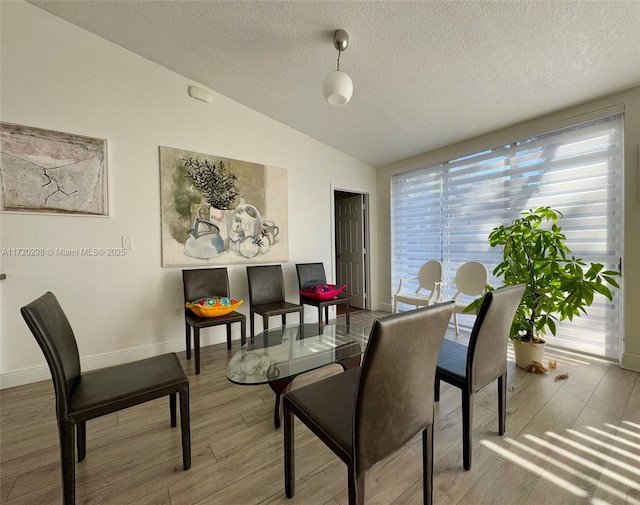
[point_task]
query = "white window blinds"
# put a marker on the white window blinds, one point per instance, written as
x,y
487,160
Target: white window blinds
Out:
x,y
447,211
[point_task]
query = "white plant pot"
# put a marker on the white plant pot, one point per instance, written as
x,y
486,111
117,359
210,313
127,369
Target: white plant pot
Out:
x,y
526,353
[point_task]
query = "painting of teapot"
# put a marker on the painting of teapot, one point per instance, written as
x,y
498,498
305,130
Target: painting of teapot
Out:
x,y
221,210
204,240
242,230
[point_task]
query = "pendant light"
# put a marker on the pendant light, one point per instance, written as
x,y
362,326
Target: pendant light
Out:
x,y
337,86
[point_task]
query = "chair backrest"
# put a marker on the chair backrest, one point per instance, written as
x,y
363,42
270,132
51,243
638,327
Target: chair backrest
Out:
x,y
429,274
54,335
266,284
472,278
310,275
487,354
395,393
205,282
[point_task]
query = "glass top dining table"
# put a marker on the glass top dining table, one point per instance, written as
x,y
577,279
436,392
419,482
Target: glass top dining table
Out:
x,y
278,355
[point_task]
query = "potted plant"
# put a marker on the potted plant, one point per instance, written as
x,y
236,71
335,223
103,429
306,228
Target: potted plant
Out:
x,y
558,285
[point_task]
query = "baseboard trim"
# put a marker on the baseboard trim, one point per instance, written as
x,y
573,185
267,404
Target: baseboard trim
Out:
x,y
40,373
630,362
385,307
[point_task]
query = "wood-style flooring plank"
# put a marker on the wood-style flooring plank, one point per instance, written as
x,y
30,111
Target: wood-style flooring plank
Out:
x,y
570,441
614,391
502,483
572,460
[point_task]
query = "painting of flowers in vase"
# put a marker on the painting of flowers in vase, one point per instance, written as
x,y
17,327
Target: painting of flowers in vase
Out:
x,y
217,210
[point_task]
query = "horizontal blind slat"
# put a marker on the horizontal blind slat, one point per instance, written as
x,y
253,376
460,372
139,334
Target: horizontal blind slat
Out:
x,y
447,210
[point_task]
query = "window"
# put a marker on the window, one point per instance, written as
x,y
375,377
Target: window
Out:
x,y
446,211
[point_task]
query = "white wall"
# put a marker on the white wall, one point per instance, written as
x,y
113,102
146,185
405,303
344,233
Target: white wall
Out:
x,y
630,101
57,76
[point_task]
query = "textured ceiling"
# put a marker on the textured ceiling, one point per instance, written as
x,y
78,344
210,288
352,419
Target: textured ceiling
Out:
x,y
426,73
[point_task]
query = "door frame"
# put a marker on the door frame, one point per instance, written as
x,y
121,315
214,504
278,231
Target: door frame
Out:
x,y
366,229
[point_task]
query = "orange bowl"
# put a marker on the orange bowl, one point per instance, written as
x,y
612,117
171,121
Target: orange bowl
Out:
x,y
213,307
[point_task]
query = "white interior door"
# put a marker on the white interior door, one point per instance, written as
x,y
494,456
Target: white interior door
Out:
x,y
350,249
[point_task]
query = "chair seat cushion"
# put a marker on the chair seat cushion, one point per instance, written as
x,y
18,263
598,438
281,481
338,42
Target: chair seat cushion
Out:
x,y
213,306
323,291
195,320
114,388
276,308
452,360
330,404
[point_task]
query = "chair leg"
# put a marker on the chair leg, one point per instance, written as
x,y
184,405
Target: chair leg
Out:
x,y
172,410
81,440
289,452
436,390
228,336
326,315
346,310
188,338
467,427
284,319
196,348
185,426
455,322
320,321
252,323
427,465
67,460
355,486
243,332
502,404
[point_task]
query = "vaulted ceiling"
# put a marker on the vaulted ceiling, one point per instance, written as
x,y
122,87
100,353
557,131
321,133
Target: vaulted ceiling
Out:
x,y
426,73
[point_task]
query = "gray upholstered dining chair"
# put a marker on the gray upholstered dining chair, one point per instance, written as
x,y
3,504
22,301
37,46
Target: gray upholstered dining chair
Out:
x,y
84,396
203,283
484,360
365,414
267,296
311,275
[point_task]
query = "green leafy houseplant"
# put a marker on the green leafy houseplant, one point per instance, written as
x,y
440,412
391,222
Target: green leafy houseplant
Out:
x,y
217,183
558,285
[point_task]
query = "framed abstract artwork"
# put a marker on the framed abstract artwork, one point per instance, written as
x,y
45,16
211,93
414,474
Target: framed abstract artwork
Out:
x,y
47,171
217,210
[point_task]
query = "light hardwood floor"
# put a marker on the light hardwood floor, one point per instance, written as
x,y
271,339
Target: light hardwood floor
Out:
x,y
570,441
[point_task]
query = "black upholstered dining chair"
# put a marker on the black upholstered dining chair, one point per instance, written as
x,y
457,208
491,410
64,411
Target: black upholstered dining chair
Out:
x,y
365,414
84,396
311,275
484,360
267,295
206,283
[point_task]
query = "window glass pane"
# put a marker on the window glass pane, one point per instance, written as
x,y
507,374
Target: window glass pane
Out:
x,y
447,211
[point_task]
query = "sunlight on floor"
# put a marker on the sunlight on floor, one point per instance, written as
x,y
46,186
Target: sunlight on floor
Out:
x,y
601,461
584,462
623,431
597,454
530,466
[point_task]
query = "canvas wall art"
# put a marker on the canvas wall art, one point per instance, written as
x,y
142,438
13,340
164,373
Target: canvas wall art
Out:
x,y
47,171
217,210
